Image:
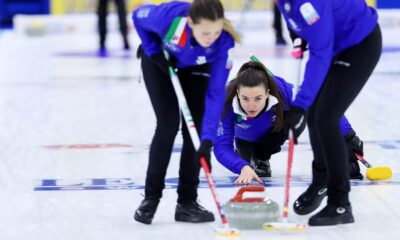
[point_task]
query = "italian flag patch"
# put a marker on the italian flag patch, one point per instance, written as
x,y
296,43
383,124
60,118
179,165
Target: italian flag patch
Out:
x,y
177,33
240,118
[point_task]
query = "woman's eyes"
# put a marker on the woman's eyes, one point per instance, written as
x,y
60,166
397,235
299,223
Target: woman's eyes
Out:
x,y
208,33
246,99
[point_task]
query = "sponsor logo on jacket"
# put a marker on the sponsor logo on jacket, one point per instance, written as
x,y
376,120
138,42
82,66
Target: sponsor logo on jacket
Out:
x,y
243,125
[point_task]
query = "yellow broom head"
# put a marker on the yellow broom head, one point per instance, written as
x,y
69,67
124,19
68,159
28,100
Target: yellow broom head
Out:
x,y
227,232
284,226
379,173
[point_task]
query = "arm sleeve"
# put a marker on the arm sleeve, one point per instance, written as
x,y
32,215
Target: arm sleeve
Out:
x,y
146,20
286,90
320,38
223,146
345,126
215,96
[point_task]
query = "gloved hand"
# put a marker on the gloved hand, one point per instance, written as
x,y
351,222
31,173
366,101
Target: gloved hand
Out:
x,y
299,47
303,45
353,143
158,59
205,151
296,121
269,144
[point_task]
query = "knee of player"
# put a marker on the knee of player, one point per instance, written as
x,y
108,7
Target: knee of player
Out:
x,y
168,128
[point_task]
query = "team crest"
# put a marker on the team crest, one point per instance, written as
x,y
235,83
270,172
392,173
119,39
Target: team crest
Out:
x,y
309,13
143,13
201,60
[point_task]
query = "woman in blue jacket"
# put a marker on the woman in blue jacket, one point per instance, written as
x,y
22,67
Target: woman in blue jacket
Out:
x,y
345,44
253,118
199,39
255,108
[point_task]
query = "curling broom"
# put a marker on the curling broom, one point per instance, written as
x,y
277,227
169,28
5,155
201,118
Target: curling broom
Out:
x,y
284,224
375,173
226,230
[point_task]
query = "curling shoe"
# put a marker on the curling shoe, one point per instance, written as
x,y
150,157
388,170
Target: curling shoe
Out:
x,y
310,199
146,210
332,215
354,169
263,168
192,212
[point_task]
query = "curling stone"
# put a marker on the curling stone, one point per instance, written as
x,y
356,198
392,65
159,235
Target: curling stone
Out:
x,y
250,213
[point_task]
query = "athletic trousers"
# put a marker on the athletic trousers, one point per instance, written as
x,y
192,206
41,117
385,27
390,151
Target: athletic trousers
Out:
x,y
349,72
194,81
102,14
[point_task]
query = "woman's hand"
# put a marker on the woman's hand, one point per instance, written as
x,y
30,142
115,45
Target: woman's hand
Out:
x,y
247,174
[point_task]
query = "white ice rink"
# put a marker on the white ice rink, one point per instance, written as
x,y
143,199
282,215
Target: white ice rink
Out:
x,y
75,131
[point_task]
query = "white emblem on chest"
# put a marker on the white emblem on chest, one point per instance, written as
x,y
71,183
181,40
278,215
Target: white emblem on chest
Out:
x,y
201,60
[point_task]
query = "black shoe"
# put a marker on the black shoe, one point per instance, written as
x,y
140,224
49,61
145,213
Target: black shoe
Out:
x,y
359,176
354,170
192,212
310,199
332,215
146,210
263,168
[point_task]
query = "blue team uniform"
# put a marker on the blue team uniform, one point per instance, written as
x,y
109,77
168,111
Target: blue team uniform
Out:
x,y
329,26
156,25
236,124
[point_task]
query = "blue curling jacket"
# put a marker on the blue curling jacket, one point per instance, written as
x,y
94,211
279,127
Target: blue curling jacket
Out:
x,y
329,27
237,124
166,24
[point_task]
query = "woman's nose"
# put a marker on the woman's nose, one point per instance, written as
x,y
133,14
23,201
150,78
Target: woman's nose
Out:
x,y
252,106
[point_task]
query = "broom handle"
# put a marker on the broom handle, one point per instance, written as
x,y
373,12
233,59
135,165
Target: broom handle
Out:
x,y
291,150
193,135
297,85
363,161
213,189
291,145
288,174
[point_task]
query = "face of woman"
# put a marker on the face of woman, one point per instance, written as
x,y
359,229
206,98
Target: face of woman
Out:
x,y
206,31
253,99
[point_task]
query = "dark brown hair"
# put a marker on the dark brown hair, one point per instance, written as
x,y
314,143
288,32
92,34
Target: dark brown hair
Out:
x,y
252,74
211,10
